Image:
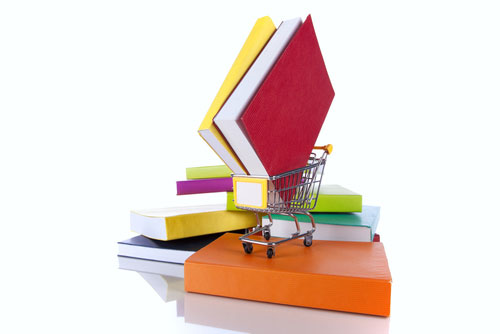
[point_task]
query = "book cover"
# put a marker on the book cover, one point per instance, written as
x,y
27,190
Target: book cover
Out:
x,y
334,275
228,117
331,198
189,221
331,226
259,36
175,251
207,172
284,118
202,186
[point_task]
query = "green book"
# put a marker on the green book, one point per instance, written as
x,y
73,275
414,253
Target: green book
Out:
x,y
331,198
230,202
207,172
334,198
358,226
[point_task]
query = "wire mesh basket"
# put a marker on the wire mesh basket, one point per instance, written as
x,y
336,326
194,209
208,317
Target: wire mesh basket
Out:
x,y
290,193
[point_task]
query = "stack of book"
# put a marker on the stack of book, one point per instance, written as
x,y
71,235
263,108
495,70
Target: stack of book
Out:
x,y
264,121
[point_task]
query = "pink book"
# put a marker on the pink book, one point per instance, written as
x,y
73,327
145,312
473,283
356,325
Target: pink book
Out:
x,y
204,186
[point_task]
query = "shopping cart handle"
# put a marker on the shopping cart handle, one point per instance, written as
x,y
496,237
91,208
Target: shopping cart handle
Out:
x,y
327,148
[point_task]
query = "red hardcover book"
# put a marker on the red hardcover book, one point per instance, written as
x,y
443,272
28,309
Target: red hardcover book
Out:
x,y
285,116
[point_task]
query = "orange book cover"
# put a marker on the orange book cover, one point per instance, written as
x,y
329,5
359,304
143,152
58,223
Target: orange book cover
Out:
x,y
333,275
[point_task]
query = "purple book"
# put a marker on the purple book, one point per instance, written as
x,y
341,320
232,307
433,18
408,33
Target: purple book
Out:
x,y
204,186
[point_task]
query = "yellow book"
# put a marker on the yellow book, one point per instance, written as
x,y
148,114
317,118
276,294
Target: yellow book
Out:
x,y
183,222
260,34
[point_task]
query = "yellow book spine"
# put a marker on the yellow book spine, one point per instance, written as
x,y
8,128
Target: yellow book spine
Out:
x,y
208,222
259,36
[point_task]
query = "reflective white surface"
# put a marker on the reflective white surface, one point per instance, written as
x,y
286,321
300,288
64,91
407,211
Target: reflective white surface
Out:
x,y
235,315
99,106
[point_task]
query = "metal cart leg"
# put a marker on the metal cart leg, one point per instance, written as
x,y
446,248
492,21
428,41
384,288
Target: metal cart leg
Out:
x,y
308,238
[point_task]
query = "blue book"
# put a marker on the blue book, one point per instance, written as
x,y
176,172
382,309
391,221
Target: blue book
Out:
x,y
358,226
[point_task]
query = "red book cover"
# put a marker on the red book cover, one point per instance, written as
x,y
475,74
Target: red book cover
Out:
x,y
285,116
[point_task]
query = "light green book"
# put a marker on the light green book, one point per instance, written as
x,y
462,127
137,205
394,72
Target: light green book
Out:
x,y
207,172
331,198
230,202
335,198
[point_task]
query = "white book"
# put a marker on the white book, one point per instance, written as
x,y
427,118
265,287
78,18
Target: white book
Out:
x,y
152,267
285,228
227,120
358,226
221,151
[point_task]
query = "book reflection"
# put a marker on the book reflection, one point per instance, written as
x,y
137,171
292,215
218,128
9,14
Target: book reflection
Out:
x,y
258,317
255,317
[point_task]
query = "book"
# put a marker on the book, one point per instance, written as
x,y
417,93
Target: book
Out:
x,y
207,172
335,198
331,226
167,287
334,275
183,222
259,36
150,266
331,198
227,120
233,314
376,237
285,116
175,251
230,206
204,186
164,277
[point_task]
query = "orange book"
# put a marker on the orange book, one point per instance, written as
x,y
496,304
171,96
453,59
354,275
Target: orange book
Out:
x,y
333,275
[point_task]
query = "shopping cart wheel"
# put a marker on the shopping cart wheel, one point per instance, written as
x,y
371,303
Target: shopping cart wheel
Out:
x,y
308,240
270,252
248,247
267,235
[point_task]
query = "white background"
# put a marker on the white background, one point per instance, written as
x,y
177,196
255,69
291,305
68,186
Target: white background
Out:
x,y
100,102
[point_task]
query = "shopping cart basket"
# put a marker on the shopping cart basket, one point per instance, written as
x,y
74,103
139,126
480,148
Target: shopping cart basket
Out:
x,y
290,193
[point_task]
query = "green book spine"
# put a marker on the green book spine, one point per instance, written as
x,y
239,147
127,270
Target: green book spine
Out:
x,y
325,203
207,172
338,203
230,202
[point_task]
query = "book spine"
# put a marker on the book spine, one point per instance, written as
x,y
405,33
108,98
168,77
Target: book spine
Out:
x,y
338,203
350,294
230,206
208,172
204,186
284,228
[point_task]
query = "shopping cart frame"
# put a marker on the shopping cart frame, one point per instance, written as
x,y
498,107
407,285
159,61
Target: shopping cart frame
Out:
x,y
289,194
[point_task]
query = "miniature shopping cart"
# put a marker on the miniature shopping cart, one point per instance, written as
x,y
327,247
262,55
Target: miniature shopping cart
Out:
x,y
288,194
